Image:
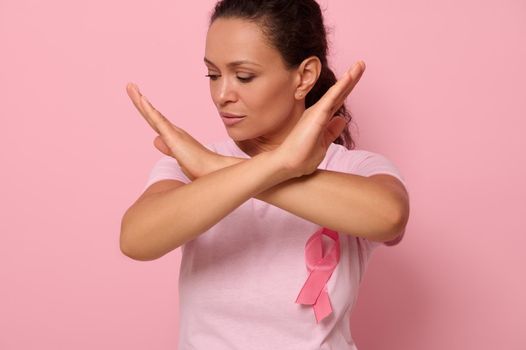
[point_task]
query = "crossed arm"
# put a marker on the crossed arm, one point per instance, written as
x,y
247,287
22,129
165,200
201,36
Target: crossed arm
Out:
x,y
376,207
170,214
167,216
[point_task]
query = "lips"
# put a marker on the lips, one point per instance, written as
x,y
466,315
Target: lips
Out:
x,y
230,121
231,115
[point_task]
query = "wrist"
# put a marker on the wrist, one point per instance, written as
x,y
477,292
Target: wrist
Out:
x,y
220,162
273,157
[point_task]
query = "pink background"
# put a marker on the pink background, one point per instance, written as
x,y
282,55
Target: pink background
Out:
x,y
443,96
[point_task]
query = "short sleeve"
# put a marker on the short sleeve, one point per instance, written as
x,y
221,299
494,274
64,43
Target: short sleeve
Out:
x,y
371,163
166,168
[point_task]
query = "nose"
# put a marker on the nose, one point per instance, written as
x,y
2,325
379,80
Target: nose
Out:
x,y
226,91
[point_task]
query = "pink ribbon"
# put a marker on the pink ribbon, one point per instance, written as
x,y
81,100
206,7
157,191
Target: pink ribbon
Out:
x,y
314,291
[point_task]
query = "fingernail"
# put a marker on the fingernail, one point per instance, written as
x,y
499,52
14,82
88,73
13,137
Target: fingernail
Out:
x,y
359,64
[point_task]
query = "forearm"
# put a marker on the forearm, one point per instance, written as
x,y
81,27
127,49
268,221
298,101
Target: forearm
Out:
x,y
347,203
163,221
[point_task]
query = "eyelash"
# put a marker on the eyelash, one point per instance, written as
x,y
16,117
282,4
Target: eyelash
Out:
x,y
214,76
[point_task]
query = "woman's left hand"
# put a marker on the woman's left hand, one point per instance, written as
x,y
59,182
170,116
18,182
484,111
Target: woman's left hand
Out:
x,y
306,145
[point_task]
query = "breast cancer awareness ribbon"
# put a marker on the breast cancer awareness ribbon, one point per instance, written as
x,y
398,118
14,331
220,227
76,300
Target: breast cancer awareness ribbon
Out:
x,y
320,268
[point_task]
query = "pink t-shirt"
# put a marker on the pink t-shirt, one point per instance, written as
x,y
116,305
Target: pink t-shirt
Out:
x,y
239,280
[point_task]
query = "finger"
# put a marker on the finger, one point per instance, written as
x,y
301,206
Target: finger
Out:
x,y
135,96
158,121
350,79
356,73
332,100
147,110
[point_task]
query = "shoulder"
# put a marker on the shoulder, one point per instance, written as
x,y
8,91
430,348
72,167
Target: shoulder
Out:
x,y
362,162
355,159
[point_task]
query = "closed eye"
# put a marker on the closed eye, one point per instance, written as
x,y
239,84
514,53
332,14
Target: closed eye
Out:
x,y
211,76
215,76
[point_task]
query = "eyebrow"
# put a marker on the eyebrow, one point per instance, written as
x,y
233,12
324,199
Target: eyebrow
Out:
x,y
234,63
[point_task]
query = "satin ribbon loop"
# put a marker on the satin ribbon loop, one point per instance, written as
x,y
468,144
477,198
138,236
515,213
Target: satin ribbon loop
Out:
x,y
320,268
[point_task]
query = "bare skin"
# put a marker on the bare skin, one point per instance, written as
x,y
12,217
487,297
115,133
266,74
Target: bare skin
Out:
x,y
285,156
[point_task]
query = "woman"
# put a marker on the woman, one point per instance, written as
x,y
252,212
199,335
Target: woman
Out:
x,y
277,222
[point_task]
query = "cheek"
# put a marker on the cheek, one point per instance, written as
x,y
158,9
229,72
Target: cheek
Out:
x,y
213,94
269,98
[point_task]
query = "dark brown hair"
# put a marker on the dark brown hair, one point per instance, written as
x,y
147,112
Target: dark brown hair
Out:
x,y
296,29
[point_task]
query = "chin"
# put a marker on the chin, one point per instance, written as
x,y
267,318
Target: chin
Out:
x,y
236,136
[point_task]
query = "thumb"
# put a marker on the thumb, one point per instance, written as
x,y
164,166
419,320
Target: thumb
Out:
x,y
161,146
334,129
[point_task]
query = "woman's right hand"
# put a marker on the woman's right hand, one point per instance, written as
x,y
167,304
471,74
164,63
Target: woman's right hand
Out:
x,y
194,158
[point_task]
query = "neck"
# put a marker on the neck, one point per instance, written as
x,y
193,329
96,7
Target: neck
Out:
x,y
266,143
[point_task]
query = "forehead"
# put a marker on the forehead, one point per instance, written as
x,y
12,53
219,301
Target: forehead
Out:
x,y
233,39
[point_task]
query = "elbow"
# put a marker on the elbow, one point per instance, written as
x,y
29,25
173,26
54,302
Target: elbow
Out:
x,y
403,216
128,250
127,245
399,223
396,235
124,239
132,252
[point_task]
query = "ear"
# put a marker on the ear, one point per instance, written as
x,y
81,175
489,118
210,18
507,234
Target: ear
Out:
x,y
307,75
